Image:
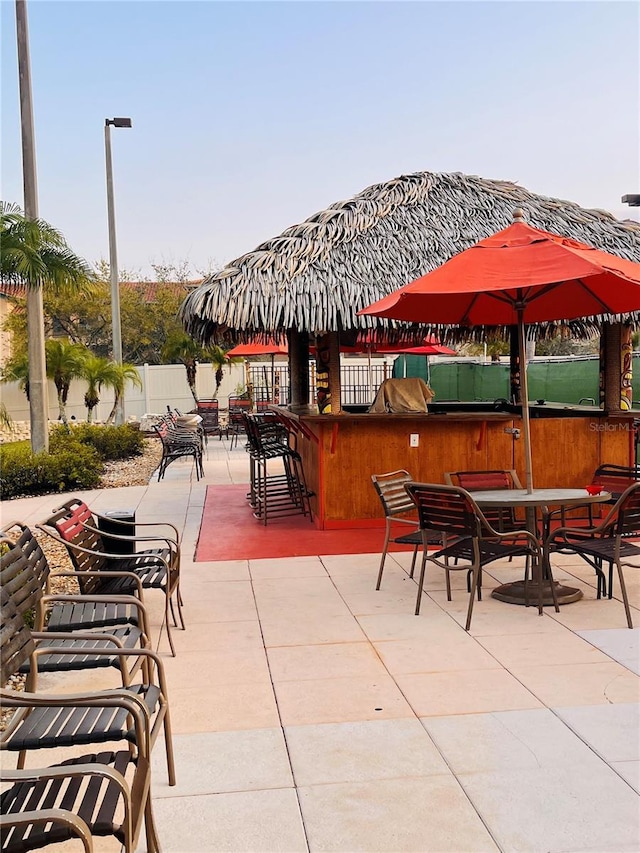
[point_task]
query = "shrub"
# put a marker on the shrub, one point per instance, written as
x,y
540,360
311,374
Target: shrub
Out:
x,y
74,466
111,442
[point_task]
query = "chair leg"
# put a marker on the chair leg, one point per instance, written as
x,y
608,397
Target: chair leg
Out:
x,y
167,601
173,615
447,580
423,567
153,844
540,590
413,561
387,536
554,594
623,590
179,603
168,744
474,586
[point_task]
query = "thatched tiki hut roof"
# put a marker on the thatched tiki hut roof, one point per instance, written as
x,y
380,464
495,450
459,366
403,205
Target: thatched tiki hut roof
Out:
x,y
315,276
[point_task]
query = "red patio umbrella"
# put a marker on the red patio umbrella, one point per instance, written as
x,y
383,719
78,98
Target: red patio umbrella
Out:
x,y
519,275
271,348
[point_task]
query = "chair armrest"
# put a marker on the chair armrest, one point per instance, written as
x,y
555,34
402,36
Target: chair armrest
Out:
x,y
73,546
120,653
509,534
123,537
605,527
115,698
75,825
131,600
126,523
413,521
75,635
106,573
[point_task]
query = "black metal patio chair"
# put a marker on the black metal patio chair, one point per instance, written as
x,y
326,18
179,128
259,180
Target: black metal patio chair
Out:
x,y
398,508
77,527
47,727
610,542
451,512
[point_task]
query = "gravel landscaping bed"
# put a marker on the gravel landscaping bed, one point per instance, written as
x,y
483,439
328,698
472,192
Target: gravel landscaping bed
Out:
x,y
133,472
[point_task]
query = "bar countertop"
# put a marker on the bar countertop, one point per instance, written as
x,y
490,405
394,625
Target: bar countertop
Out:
x,y
459,411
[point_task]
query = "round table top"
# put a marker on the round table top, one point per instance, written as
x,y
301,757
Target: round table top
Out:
x,y
539,497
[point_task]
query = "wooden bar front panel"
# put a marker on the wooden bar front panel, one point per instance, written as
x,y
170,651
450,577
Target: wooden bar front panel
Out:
x,y
338,468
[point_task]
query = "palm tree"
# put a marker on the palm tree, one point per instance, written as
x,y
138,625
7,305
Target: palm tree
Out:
x,y
219,360
180,346
65,362
122,373
35,254
97,371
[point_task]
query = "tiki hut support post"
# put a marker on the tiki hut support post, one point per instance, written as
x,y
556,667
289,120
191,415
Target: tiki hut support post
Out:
x,y
298,343
626,367
334,373
328,373
615,367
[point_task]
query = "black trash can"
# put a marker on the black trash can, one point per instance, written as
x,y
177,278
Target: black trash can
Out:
x,y
107,526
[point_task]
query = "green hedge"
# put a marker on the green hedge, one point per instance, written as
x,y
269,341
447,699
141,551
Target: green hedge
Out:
x,y
111,442
22,473
75,459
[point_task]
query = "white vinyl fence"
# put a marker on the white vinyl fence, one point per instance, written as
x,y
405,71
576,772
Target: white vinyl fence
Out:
x,y
166,385
162,385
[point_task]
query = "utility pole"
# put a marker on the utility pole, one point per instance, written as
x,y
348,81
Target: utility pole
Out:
x,y
38,396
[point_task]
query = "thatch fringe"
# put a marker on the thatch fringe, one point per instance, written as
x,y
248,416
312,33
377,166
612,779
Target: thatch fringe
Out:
x,y
316,275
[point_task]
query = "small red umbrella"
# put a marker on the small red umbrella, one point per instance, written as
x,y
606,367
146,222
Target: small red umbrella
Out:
x,y
271,348
519,275
252,349
430,346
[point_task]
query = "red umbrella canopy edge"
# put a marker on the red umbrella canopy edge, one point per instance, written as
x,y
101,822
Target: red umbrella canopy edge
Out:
x,y
521,269
253,349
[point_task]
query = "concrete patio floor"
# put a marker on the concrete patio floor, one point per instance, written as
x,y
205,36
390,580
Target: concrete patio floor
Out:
x,y
312,713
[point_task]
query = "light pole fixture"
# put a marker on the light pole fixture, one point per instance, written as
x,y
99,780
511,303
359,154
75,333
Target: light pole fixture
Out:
x,y
632,200
116,330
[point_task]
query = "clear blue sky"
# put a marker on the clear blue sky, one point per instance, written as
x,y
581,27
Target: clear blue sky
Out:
x,y
249,117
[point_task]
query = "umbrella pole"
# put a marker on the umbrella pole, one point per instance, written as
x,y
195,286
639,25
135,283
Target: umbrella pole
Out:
x,y
273,377
524,393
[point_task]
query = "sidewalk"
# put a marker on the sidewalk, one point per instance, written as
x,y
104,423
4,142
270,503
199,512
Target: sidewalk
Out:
x,y
312,713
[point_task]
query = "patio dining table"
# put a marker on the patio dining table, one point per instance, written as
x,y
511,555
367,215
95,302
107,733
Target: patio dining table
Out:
x,y
543,499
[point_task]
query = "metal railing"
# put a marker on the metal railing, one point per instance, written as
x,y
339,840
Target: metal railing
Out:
x,y
358,383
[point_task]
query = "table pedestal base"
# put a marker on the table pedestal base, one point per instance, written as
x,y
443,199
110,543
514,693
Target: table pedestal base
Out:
x,y
513,593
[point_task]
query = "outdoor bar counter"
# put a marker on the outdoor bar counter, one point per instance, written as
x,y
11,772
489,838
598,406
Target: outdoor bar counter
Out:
x,y
340,452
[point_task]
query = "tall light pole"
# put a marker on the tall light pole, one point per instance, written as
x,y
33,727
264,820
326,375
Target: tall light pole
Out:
x,y
116,330
38,401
